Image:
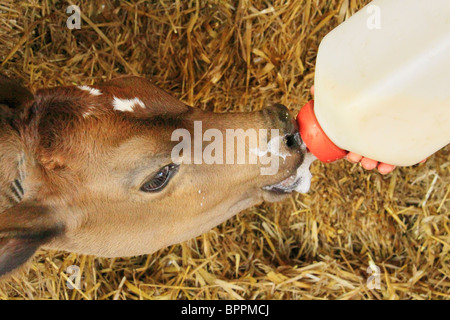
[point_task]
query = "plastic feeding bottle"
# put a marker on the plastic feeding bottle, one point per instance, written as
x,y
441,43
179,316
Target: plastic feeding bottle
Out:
x,y
382,85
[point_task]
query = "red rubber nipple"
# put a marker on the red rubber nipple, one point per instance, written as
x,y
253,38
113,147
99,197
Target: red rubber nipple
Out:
x,y
315,138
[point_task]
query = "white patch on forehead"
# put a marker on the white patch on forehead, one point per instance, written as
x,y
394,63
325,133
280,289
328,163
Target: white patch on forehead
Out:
x,y
93,91
89,112
127,105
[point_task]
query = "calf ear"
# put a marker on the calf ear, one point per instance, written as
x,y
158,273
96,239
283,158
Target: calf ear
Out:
x,y
12,94
157,101
13,99
23,229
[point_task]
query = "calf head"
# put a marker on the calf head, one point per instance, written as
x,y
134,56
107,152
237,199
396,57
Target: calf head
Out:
x,y
93,169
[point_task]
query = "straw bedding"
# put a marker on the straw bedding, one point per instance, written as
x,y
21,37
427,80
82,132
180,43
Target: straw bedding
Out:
x,y
233,56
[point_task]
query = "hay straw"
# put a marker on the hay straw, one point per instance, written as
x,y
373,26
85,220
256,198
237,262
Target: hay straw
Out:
x,y
231,56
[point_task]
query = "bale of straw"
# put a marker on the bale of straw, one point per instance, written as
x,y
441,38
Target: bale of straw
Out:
x,y
233,56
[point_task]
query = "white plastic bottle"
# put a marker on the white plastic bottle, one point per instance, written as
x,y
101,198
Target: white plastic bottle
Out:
x,y
382,83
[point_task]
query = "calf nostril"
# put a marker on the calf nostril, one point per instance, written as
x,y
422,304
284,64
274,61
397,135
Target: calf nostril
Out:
x,y
293,140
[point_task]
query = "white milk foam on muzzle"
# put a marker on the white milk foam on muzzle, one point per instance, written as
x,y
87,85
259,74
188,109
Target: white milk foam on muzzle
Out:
x,y
304,174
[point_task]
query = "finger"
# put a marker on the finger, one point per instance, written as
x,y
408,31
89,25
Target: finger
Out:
x,y
312,90
369,164
353,157
385,168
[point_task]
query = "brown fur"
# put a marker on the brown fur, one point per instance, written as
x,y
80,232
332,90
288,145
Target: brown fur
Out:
x,y
76,167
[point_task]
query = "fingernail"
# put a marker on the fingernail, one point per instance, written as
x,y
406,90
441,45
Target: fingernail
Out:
x,y
385,168
353,157
369,164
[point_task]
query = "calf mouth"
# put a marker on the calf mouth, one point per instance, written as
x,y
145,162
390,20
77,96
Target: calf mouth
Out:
x,y
299,182
286,186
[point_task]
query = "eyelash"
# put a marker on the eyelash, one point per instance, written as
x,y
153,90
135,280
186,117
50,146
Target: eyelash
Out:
x,y
160,179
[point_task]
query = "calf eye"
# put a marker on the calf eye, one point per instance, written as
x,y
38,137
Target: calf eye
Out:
x,y
160,179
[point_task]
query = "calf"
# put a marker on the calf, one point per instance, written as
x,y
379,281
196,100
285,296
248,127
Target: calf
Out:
x,y
91,169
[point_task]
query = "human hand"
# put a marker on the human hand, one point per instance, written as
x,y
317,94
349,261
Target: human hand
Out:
x,y
370,164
